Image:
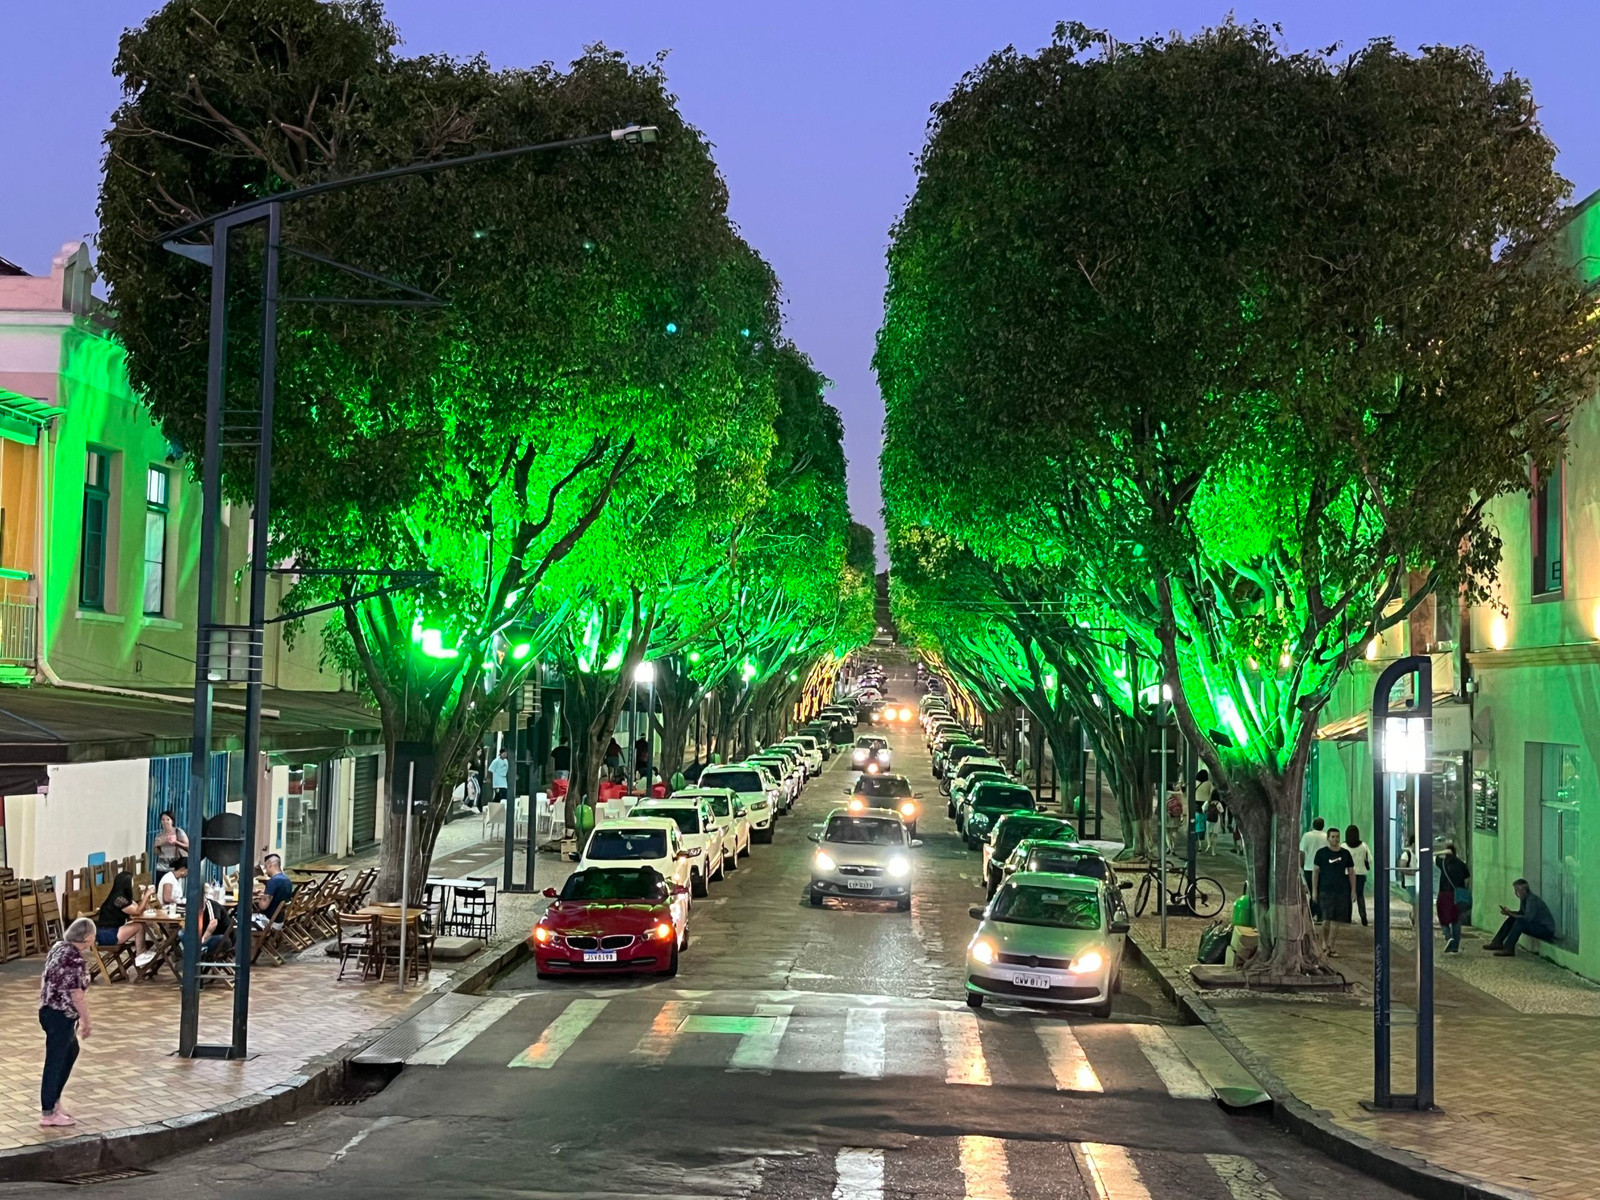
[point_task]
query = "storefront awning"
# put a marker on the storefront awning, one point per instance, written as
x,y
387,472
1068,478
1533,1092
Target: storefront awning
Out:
x,y
48,725
1354,729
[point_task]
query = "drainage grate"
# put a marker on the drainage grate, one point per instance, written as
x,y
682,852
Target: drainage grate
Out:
x,y
112,1176
349,1098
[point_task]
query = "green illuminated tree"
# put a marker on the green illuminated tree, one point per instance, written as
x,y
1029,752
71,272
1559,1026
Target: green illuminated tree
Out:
x,y
603,330
1247,339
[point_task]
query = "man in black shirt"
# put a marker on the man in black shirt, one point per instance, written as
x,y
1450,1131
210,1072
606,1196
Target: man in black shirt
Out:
x,y
561,761
1333,882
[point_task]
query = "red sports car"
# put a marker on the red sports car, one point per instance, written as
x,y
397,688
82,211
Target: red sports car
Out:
x,y
608,919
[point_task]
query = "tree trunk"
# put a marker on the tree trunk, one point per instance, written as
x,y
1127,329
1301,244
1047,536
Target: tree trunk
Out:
x,y
425,829
1268,808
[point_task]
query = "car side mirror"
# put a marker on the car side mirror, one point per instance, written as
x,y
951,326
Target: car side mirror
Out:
x,y
846,791
1117,927
813,837
916,795
915,842
551,892
976,912
1125,884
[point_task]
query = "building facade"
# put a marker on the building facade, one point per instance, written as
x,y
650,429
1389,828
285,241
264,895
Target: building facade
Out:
x,y
99,548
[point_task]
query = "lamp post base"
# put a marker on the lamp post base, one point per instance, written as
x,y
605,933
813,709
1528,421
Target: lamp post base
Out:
x,y
1405,1104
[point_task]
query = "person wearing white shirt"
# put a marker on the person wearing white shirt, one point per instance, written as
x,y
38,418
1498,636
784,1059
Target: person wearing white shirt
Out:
x,y
1361,854
1311,841
499,775
169,893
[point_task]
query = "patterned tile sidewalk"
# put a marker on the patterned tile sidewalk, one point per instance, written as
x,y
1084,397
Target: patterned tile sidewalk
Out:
x,y
1517,1059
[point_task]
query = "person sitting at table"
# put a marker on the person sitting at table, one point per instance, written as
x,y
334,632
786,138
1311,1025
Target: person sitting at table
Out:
x,y
275,893
216,928
112,924
169,893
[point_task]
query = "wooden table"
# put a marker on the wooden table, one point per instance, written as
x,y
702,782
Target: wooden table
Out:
x,y
382,914
162,929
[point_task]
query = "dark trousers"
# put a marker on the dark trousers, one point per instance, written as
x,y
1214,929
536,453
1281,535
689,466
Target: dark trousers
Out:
x,y
60,1052
1361,897
1513,928
1316,914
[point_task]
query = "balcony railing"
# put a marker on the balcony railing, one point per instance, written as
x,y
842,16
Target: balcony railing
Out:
x,y
18,620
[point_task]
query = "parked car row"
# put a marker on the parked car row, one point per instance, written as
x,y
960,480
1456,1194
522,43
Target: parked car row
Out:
x,y
1054,928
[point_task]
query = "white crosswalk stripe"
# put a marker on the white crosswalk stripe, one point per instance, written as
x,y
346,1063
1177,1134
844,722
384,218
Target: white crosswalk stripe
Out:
x,y
1183,1082
1244,1180
560,1034
1068,1063
453,1040
758,1051
656,1045
863,1042
1110,1172
963,1049
859,1174
984,1169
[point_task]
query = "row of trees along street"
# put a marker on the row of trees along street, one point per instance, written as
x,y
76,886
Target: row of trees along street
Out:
x,y
603,445
1202,358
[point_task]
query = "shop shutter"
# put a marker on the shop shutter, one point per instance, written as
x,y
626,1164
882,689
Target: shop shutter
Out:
x,y
364,812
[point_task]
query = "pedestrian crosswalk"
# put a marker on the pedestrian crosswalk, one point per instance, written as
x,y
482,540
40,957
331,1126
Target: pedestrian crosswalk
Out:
x,y
850,1037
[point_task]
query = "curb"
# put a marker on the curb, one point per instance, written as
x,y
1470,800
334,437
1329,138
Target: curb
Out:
x,y
318,1082
1399,1169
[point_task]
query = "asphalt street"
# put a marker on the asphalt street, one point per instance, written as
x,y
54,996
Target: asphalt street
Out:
x,y
801,1053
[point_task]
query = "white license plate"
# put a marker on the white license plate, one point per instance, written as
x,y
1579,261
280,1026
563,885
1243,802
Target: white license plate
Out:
x,y
1033,981
865,885
599,956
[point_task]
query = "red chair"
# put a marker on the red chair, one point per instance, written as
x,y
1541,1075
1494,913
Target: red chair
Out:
x,y
611,790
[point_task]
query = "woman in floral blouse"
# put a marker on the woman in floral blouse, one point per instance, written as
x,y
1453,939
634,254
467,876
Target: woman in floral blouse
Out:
x,y
64,1016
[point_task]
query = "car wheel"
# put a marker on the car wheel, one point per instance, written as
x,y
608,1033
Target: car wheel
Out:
x,y
950,810
912,832
745,853
683,941
730,863
974,1000
1116,983
764,836
698,885
816,899
1101,1010
903,905
671,968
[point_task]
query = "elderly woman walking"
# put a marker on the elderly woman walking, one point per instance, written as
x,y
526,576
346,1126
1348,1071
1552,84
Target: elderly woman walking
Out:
x,y
64,1016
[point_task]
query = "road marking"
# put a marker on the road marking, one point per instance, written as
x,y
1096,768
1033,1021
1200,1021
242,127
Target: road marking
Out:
x,y
863,1042
963,1049
1177,1072
858,1174
1068,1063
663,1034
1110,1171
560,1034
382,1122
983,1166
453,1040
1245,1180
758,1050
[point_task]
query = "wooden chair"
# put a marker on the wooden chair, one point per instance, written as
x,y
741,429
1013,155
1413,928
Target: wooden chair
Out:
x,y
10,942
113,963
51,927
355,941
419,948
354,894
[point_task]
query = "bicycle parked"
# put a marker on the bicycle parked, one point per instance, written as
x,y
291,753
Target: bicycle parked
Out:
x,y
1204,897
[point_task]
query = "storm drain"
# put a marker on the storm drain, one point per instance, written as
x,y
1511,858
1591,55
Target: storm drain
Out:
x,y
349,1098
115,1175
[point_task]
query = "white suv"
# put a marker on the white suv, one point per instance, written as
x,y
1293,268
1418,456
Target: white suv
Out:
x,y
644,842
760,792
728,811
699,832
809,750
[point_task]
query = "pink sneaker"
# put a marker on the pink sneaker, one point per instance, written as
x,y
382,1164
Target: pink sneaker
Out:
x,y
55,1120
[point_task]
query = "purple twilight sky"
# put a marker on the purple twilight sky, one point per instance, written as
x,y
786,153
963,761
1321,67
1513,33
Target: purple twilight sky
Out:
x,y
817,110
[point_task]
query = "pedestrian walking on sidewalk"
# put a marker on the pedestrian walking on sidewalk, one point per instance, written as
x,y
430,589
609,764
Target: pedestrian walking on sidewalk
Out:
x,y
1455,897
1332,879
1361,853
64,1017
1311,841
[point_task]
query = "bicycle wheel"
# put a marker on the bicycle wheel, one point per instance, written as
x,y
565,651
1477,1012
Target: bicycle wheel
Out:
x,y
1206,897
1141,898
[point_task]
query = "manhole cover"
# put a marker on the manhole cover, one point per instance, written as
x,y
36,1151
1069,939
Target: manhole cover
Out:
x,y
111,1176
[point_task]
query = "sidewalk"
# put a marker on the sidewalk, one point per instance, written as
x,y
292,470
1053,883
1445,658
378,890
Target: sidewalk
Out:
x,y
129,1088
1517,1051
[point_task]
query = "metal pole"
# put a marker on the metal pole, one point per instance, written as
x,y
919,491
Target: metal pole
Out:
x,y
1194,847
200,745
1161,808
405,875
510,836
1382,1088
1424,932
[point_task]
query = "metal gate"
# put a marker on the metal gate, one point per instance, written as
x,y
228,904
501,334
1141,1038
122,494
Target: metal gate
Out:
x,y
169,789
364,801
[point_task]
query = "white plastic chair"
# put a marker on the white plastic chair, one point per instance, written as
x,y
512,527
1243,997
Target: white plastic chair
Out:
x,y
494,817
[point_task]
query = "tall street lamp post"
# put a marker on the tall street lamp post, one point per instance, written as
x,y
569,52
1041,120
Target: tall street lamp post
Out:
x,y
231,653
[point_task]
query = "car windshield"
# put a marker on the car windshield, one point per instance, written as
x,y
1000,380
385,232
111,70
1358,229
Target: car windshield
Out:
x,y
865,831
739,781
969,768
1056,862
987,775
886,786
615,883
990,798
688,819
612,844
1013,829
1030,904
720,805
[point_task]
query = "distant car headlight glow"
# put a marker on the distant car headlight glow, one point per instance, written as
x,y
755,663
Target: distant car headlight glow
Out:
x,y
908,809
824,861
905,714
982,952
857,804
899,867
860,755
1089,960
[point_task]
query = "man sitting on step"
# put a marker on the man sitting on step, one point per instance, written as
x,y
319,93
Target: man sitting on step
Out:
x,y
1532,918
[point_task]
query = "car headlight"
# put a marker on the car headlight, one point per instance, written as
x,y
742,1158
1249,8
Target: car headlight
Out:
x,y
1089,960
545,936
662,932
982,952
860,756
978,820
905,714
857,805
908,809
899,867
824,861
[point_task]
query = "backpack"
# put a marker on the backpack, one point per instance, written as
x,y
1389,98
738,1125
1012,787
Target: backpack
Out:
x,y
1174,806
1214,810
